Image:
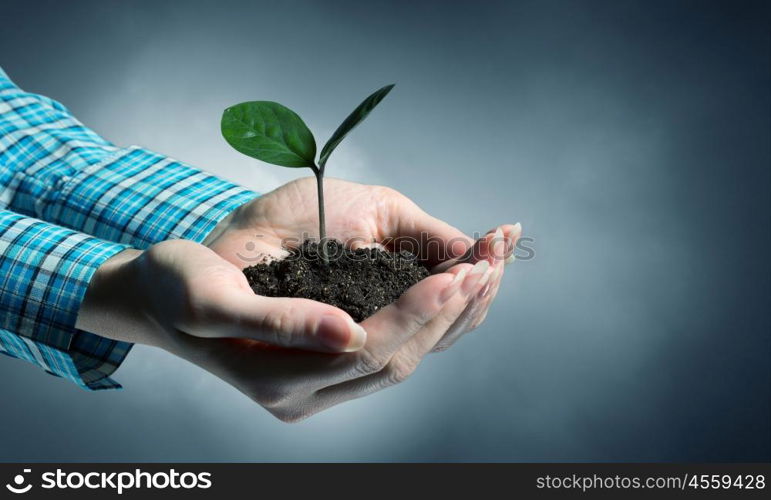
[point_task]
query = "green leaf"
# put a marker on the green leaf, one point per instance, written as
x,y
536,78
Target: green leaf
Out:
x,y
359,114
269,132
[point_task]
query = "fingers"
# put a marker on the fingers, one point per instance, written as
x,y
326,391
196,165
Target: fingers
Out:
x,y
388,332
474,313
404,362
292,323
431,239
497,244
476,308
293,385
396,323
283,322
488,296
512,234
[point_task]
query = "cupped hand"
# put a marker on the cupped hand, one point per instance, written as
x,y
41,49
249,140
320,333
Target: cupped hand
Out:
x,y
179,287
184,298
295,384
363,215
195,302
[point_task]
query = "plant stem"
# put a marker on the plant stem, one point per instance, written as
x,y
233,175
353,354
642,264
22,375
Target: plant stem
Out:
x,y
322,222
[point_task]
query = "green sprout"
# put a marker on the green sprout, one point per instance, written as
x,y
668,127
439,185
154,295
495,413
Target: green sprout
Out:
x,y
275,134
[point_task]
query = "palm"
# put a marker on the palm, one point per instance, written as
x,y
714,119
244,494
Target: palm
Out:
x,y
355,213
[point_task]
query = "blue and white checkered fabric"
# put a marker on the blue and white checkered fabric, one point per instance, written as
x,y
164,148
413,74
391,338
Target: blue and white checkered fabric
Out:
x,y
69,200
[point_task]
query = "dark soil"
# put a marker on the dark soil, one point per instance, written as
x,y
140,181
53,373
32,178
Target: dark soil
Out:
x,y
360,282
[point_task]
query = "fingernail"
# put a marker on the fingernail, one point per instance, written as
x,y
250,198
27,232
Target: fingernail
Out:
x,y
341,334
511,258
453,287
516,232
477,273
358,336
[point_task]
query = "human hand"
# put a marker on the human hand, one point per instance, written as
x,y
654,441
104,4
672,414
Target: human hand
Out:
x,y
184,298
181,288
187,299
361,215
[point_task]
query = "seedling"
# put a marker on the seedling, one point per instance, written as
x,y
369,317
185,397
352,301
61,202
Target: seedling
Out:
x,y
275,134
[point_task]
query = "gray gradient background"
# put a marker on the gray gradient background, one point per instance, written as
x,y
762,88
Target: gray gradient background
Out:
x,y
631,139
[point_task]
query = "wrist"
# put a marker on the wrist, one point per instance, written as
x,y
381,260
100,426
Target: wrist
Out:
x,y
112,305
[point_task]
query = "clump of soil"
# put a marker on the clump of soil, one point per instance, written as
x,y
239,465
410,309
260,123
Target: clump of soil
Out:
x,y
360,282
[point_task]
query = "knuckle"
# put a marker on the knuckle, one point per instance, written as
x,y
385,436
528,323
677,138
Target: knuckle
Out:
x,y
200,310
399,370
440,347
415,315
368,363
393,199
278,325
203,306
197,314
291,415
274,398
387,192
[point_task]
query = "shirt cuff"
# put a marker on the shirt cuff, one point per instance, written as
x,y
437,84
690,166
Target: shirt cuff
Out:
x,y
139,198
46,270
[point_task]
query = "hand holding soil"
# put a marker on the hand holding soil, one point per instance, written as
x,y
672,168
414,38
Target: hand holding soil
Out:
x,y
196,303
296,323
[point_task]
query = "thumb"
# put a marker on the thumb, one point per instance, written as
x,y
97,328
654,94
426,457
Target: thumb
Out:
x,y
286,322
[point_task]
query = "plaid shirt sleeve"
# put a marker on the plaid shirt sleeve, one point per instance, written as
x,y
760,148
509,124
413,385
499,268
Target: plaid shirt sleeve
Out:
x,y
45,271
54,169
59,171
